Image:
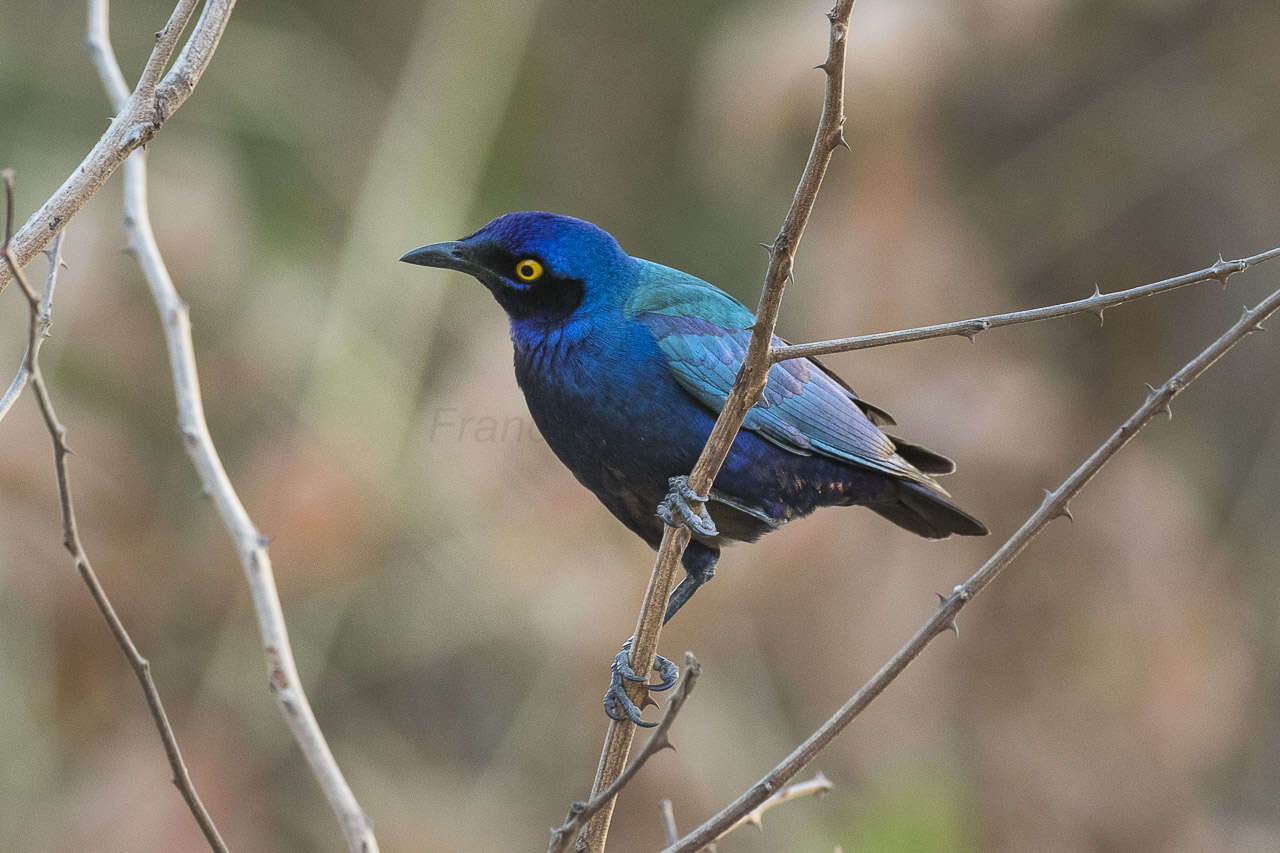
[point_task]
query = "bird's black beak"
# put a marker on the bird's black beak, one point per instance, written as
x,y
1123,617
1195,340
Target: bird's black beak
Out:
x,y
453,255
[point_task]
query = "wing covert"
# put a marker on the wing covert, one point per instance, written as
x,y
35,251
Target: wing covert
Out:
x,y
704,333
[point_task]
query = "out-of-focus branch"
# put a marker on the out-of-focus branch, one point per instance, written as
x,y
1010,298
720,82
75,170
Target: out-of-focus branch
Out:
x,y
1094,304
580,812
138,118
668,817
817,786
1054,505
42,322
282,673
38,329
747,389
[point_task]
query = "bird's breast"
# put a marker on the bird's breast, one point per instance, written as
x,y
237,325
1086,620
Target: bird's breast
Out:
x,y
607,401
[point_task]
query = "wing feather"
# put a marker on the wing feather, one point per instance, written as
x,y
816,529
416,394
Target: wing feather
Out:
x,y
704,331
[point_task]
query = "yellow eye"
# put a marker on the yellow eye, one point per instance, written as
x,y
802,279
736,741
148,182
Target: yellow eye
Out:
x,y
528,270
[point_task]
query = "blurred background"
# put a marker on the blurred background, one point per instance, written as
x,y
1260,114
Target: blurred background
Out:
x,y
455,596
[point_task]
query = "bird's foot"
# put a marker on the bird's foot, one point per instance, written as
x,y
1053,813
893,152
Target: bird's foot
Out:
x,y
676,512
617,704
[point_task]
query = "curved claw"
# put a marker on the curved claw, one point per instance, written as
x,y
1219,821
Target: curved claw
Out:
x,y
669,671
622,665
617,704
676,512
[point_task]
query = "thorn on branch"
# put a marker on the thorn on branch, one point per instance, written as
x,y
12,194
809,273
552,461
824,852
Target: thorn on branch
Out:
x,y
973,329
951,625
1222,270
1063,511
1244,315
1152,393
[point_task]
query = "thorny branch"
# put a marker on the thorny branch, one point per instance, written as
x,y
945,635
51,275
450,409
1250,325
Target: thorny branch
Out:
x,y
282,673
580,812
38,329
1095,304
746,391
137,120
1054,505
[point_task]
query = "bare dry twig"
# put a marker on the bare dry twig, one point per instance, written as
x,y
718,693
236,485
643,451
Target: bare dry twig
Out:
x,y
580,812
40,308
746,391
1054,505
282,673
817,786
42,320
137,120
1095,304
668,817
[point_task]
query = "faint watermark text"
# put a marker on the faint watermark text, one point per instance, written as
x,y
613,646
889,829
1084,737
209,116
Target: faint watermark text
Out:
x,y
456,425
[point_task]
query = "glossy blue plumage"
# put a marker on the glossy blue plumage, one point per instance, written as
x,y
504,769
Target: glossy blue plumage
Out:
x,y
624,364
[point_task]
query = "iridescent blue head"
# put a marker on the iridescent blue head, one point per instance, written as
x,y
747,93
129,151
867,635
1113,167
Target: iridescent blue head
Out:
x,y
541,267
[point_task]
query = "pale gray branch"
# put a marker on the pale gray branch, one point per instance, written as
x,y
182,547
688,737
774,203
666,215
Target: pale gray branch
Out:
x,y
668,817
747,389
1094,304
138,119
1054,505
282,674
815,787
42,329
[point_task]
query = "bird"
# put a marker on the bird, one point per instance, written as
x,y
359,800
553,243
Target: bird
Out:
x,y
625,364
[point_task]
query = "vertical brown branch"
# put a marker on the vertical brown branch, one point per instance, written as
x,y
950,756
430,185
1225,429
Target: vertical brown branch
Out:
x,y
38,328
580,813
746,391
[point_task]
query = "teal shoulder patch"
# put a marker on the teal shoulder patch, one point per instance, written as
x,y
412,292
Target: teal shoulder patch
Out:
x,y
664,290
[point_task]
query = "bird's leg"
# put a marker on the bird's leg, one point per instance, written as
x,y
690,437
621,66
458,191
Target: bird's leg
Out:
x,y
700,566
676,512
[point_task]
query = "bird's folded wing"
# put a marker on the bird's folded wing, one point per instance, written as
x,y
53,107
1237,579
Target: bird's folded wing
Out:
x,y
704,333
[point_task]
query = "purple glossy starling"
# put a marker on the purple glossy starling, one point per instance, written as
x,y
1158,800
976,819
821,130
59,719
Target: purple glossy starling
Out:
x,y
625,363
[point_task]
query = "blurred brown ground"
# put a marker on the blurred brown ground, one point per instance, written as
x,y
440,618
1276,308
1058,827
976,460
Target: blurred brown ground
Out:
x,y
454,600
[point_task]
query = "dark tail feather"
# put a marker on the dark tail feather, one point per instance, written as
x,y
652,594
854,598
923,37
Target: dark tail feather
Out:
x,y
927,514
923,458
